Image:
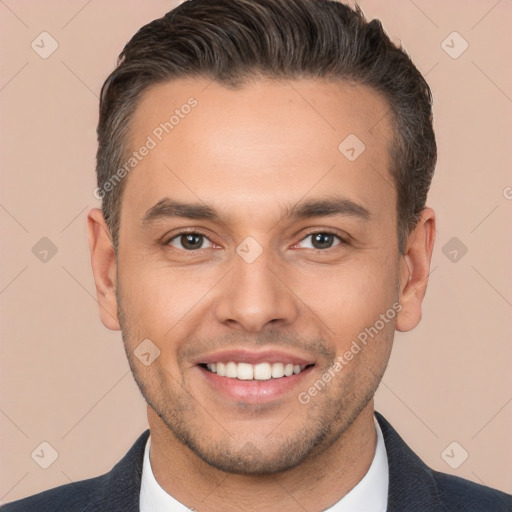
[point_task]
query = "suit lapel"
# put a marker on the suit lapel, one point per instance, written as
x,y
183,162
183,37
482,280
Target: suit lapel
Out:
x,y
411,482
120,489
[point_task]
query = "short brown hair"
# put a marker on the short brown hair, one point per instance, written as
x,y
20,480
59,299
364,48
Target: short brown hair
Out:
x,y
230,41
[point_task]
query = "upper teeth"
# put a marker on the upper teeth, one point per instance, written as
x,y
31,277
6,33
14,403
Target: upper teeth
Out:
x,y
261,371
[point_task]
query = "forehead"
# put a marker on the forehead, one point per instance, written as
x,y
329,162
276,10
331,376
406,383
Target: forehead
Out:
x,y
263,141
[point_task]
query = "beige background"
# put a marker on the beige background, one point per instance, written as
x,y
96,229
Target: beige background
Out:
x,y
64,377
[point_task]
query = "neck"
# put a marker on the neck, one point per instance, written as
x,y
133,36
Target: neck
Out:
x,y
315,484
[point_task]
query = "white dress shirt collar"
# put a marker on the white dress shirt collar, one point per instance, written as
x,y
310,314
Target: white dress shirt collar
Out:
x,y
369,495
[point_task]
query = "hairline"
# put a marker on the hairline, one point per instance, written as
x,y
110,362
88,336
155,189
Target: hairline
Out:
x,y
127,143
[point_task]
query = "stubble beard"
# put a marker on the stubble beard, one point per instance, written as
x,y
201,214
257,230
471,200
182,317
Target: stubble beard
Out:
x,y
329,416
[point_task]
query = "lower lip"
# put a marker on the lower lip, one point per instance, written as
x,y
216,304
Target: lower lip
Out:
x,y
255,391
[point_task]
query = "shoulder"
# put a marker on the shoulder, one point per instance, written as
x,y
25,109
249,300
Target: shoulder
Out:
x,y
459,494
415,486
75,497
117,490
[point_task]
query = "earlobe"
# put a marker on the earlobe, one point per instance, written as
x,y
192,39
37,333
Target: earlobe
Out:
x,y
415,270
104,266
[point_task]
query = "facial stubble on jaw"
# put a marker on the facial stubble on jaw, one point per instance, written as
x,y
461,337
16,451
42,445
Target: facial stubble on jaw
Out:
x,y
328,417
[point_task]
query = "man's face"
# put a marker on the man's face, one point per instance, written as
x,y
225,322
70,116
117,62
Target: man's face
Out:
x,y
247,236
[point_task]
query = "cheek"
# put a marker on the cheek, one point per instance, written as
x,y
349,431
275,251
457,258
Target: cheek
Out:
x,y
159,302
351,297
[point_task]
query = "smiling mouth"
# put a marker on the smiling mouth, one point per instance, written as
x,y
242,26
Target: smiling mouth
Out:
x,y
261,371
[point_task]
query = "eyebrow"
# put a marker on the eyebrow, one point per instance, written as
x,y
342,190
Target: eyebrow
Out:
x,y
329,207
167,208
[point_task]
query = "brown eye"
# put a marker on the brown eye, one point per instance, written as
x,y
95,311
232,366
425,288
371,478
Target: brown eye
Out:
x,y
320,240
189,241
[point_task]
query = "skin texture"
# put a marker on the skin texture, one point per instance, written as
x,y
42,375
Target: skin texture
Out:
x,y
252,154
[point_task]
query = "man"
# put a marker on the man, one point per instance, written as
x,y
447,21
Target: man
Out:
x,y
264,167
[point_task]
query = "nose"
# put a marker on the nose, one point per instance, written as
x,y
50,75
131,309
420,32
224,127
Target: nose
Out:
x,y
255,295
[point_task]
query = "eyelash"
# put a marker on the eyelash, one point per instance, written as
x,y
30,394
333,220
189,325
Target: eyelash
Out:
x,y
187,232
342,240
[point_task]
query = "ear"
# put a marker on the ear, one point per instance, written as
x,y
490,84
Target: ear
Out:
x,y
415,270
104,268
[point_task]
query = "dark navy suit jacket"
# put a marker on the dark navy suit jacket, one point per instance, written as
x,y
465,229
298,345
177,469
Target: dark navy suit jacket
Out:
x,y
413,487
